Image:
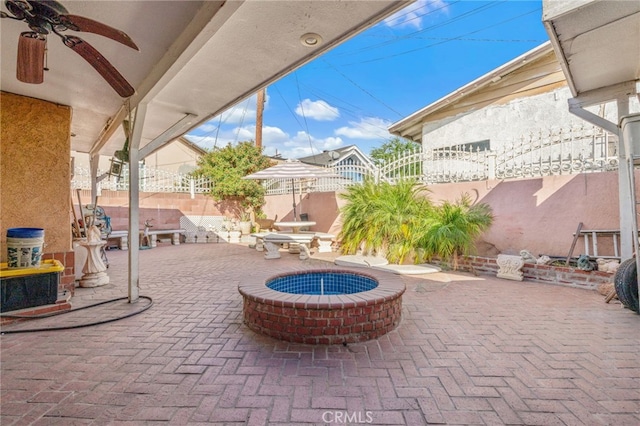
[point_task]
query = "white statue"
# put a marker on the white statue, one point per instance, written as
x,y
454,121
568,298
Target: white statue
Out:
x,y
607,265
93,234
528,257
544,260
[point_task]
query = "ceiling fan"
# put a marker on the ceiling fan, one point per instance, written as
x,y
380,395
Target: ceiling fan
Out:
x,y
49,16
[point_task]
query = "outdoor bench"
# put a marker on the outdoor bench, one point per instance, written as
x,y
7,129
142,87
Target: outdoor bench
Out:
x,y
154,235
323,240
273,241
259,236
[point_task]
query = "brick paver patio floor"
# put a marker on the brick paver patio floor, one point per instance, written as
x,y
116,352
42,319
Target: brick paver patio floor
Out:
x,y
469,350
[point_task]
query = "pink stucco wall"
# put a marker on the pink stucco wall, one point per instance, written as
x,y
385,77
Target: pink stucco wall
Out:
x,y
539,214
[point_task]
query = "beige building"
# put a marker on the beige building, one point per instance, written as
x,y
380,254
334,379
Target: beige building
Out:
x,y
179,156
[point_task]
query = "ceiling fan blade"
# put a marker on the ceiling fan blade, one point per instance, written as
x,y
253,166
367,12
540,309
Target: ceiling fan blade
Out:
x,y
101,64
30,68
80,23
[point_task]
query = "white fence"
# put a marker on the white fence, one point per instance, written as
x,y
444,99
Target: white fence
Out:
x,y
547,153
151,180
557,152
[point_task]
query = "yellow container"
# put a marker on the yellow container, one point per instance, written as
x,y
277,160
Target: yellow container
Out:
x,y
22,288
46,267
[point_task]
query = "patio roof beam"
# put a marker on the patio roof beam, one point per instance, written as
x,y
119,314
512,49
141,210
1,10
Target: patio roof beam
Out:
x,y
192,39
168,135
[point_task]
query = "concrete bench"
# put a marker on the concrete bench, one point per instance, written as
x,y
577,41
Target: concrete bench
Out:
x,y
322,240
174,234
259,236
273,241
123,237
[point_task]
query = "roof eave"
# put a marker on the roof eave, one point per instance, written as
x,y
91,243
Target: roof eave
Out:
x,y
407,126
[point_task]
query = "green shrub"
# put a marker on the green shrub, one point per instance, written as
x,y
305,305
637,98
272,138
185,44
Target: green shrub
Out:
x,y
454,228
381,218
399,221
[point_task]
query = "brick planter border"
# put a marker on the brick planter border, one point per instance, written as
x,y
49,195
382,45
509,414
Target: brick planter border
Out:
x,y
329,319
559,275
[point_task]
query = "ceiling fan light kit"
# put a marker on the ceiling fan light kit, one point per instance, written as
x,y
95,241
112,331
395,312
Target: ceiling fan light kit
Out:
x,y
31,51
48,16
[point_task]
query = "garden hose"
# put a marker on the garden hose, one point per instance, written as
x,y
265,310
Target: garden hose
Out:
x,y
70,327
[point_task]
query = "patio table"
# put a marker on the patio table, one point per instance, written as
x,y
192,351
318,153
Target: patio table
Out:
x,y
294,225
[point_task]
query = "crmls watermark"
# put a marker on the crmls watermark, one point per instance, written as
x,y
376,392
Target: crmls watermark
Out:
x,y
354,417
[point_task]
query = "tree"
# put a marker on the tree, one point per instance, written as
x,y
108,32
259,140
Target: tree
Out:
x,y
396,148
392,149
227,166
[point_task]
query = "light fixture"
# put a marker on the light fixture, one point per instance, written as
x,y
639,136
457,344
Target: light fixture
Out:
x,y
310,39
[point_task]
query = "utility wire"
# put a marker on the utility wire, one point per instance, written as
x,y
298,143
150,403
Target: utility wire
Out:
x,y
411,10
395,55
483,40
304,117
424,30
244,113
295,116
361,88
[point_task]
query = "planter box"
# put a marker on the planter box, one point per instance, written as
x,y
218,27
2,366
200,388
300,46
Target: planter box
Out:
x,y
29,287
559,275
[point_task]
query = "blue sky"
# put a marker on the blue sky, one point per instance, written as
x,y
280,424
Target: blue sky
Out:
x,y
353,93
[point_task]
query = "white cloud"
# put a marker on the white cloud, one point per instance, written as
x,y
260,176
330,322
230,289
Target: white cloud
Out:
x,y
366,128
412,15
299,145
244,112
274,140
318,110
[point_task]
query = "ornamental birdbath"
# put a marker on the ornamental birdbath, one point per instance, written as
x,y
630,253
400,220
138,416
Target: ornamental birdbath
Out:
x,y
94,273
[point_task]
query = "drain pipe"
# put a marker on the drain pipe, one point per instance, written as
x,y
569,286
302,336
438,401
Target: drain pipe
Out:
x,y
628,132
627,206
630,126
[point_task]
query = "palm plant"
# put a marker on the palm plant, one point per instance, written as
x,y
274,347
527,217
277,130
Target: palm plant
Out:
x,y
453,229
382,218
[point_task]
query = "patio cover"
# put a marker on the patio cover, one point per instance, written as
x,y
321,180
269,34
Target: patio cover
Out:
x,y
597,43
196,60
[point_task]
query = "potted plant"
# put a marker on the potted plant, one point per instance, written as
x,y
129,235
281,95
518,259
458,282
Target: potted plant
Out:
x,y
245,223
231,226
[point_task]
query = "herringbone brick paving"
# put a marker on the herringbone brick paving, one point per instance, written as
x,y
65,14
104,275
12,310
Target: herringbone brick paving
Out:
x,y
469,350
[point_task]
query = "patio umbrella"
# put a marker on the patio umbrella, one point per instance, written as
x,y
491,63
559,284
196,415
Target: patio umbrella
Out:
x,y
293,169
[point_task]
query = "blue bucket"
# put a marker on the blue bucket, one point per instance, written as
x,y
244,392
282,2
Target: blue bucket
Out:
x,y
24,247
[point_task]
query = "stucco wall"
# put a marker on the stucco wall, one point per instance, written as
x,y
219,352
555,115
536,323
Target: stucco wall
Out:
x,y
164,209
502,124
539,215
35,169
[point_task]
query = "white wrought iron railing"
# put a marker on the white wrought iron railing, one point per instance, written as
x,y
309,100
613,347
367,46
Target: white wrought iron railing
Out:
x,y
151,180
551,152
558,152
